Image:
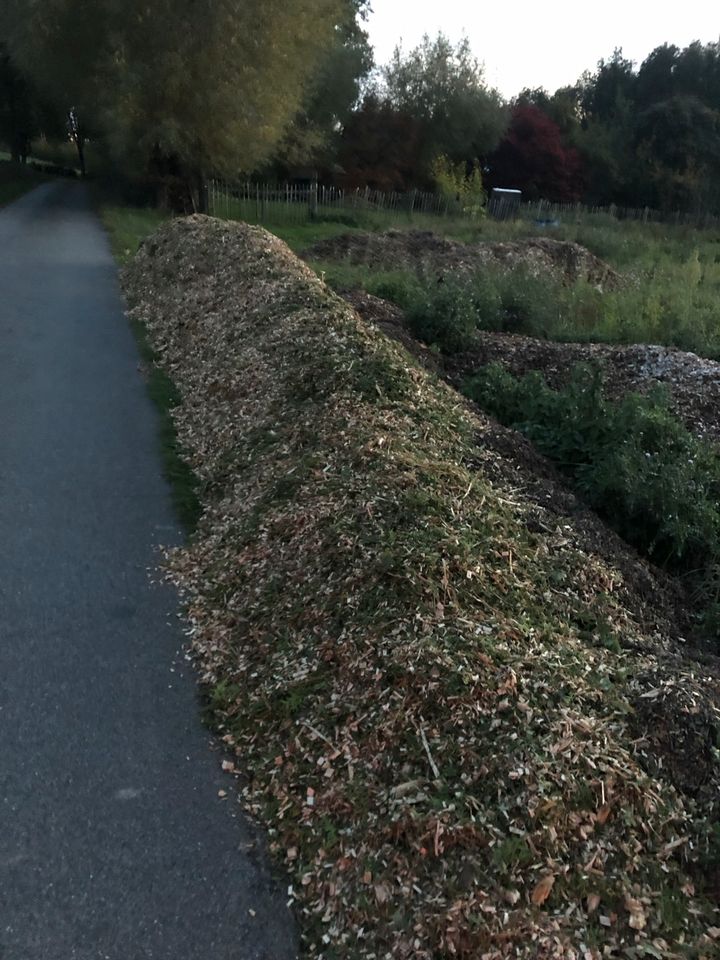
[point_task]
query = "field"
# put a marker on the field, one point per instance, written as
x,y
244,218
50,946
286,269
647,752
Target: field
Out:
x,y
649,466
669,294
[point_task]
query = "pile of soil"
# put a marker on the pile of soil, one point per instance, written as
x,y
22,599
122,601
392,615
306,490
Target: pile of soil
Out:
x,y
427,252
428,674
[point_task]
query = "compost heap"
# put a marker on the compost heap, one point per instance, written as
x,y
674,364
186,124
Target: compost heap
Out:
x,y
426,252
463,733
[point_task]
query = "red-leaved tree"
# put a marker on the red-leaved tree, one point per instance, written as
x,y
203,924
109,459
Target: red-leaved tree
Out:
x,y
533,158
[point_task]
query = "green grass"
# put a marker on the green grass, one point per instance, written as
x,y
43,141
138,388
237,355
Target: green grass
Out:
x,y
669,295
162,391
294,224
127,227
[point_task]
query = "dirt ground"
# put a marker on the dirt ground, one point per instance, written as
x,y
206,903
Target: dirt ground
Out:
x,y
427,252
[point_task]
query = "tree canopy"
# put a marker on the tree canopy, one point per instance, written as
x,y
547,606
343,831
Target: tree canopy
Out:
x,y
443,87
188,89
209,85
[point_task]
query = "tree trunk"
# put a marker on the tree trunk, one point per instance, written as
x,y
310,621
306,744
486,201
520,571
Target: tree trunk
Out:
x,y
80,144
200,194
75,129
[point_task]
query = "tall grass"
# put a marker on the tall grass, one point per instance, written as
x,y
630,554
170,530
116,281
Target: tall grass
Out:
x,y
670,295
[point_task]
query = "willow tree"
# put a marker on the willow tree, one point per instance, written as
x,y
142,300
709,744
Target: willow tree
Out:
x,y
200,87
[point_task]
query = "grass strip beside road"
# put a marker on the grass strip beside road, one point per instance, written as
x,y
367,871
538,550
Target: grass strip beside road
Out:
x,y
127,227
15,180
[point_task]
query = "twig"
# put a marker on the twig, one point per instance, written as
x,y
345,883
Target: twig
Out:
x,y
433,765
318,734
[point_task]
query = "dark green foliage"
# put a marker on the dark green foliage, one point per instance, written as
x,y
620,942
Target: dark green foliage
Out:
x,y
443,87
444,316
402,289
632,460
448,312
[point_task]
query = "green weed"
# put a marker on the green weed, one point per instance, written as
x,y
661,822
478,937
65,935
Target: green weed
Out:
x,y
631,460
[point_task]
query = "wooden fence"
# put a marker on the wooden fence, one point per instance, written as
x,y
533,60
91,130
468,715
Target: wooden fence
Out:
x,y
297,203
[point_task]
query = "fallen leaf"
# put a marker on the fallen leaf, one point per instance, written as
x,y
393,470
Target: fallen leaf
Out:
x,y
637,919
603,813
542,890
382,894
592,902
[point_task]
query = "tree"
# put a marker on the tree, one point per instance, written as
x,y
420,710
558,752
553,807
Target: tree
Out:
x,y
680,142
18,113
458,186
24,114
379,147
64,47
606,93
205,87
656,77
443,87
332,94
563,107
605,138
533,158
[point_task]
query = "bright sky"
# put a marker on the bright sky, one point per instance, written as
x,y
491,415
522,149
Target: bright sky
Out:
x,y
531,44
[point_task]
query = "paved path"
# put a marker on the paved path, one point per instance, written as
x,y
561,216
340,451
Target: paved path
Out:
x,y
114,844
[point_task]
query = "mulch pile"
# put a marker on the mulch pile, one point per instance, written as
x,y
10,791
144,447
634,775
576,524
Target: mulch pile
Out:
x,y
442,705
427,252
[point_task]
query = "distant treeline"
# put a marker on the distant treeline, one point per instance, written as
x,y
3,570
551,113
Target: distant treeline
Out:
x,y
174,94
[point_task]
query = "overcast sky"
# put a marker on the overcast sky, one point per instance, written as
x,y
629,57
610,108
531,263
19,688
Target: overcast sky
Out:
x,y
531,44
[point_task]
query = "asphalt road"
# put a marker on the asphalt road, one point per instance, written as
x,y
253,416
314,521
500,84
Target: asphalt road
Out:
x,y
114,844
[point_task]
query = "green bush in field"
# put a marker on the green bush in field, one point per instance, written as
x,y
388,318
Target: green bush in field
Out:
x,y
402,289
444,315
631,460
449,313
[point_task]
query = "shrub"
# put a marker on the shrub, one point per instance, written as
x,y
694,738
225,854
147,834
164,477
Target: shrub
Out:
x,y
444,315
632,460
458,186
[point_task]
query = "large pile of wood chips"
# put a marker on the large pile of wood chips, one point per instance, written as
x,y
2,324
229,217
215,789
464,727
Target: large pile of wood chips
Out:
x,y
461,739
